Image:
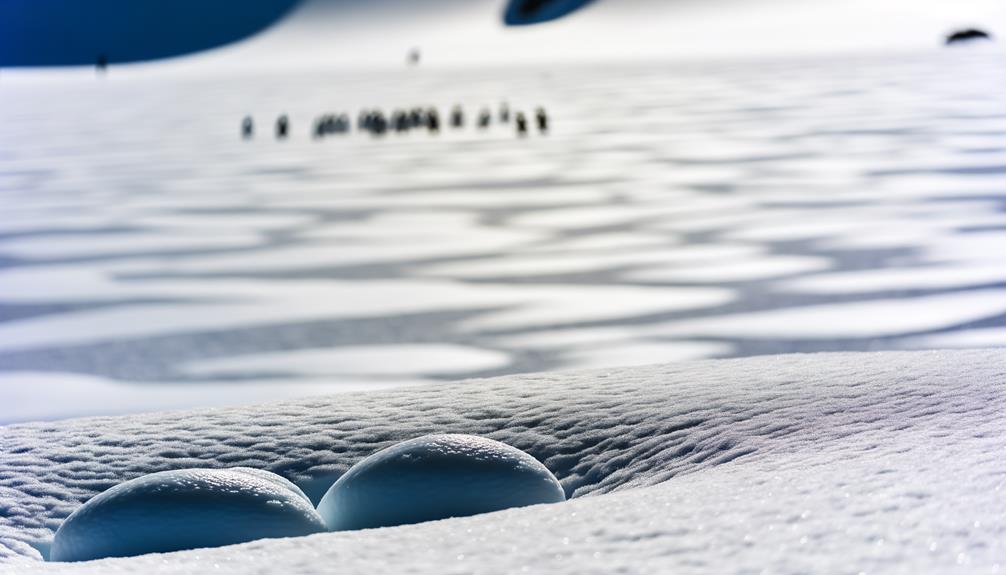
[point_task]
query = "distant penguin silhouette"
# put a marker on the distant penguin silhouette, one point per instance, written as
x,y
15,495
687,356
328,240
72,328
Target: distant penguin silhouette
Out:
x,y
968,35
401,122
417,118
485,118
341,125
505,113
433,121
379,124
521,124
363,121
542,119
320,127
282,127
415,56
101,63
248,128
457,117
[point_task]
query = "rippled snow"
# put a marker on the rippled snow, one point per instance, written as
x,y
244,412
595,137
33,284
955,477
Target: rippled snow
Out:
x,y
713,210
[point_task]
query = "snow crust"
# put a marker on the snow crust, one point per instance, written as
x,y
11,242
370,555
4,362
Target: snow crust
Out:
x,y
436,477
185,509
888,462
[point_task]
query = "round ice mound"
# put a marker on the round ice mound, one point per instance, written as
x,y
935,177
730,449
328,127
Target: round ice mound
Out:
x,y
185,509
436,477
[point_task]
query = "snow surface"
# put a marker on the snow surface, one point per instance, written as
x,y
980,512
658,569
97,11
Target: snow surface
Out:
x,y
151,259
435,477
185,509
888,462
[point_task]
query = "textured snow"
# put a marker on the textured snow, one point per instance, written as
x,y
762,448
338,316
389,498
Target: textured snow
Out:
x,y
675,211
185,509
888,462
436,477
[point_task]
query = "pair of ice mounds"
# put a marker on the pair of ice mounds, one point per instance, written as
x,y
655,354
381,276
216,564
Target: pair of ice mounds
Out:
x,y
424,479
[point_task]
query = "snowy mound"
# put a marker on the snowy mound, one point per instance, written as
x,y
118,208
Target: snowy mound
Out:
x,y
185,509
436,477
851,463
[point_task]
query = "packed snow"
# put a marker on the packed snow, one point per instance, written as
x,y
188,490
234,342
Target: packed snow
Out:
x,y
885,462
185,509
436,477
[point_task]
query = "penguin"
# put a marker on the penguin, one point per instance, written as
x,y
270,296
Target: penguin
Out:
x,y
319,128
379,125
417,118
457,117
504,113
542,119
521,124
248,128
485,118
433,121
282,127
400,120
341,124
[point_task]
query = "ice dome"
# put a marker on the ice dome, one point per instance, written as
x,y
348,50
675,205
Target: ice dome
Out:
x,y
185,509
436,477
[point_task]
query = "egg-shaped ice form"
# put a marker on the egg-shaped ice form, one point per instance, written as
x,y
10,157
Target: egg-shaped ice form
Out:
x,y
436,477
185,509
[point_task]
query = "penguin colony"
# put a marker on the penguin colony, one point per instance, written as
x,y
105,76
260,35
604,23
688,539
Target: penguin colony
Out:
x,y
401,121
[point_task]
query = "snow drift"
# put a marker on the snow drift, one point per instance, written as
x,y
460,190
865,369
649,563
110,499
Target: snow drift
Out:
x,y
842,462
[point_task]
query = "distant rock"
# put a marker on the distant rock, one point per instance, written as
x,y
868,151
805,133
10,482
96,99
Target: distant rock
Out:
x,y
525,12
968,35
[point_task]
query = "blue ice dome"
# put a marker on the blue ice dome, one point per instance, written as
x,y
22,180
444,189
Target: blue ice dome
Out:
x,y
525,12
185,509
436,477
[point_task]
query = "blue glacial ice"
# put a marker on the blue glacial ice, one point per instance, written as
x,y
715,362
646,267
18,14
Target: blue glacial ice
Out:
x,y
185,509
437,477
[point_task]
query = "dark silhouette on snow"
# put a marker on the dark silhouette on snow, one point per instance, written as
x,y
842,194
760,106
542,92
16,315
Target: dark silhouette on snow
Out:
x,y
505,113
525,12
485,118
521,124
415,56
101,64
542,118
401,121
282,127
968,35
248,128
417,119
457,117
433,121
341,124
378,123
